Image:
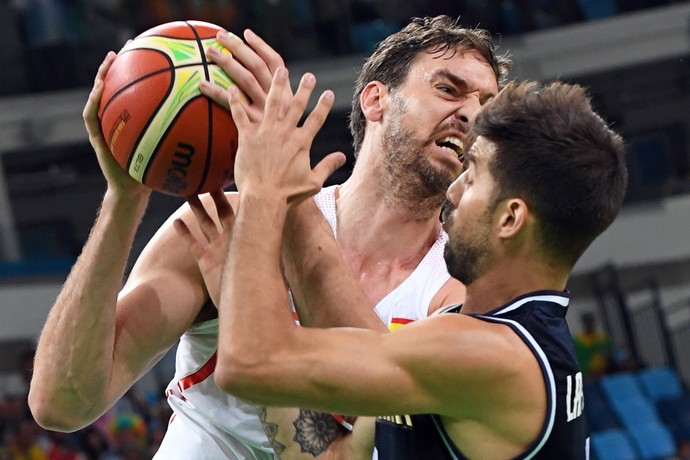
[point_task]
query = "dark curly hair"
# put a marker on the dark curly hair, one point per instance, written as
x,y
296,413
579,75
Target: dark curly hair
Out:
x,y
557,154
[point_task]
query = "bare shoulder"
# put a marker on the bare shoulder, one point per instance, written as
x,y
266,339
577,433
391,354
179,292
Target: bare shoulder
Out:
x,y
451,293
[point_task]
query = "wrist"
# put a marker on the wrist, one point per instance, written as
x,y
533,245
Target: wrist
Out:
x,y
264,197
118,200
263,204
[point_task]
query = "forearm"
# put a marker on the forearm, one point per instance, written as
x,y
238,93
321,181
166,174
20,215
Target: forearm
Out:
x,y
74,357
325,290
253,293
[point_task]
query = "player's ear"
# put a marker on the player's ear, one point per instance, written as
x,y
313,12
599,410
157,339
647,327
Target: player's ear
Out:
x,y
372,100
513,218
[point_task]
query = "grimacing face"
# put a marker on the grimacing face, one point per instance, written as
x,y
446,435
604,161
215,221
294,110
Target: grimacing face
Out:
x,y
405,154
429,115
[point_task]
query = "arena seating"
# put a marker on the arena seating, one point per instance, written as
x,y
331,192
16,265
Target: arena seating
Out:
x,y
640,414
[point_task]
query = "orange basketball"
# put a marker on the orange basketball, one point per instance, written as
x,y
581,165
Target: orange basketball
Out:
x,y
159,126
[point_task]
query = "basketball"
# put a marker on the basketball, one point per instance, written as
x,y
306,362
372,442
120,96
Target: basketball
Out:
x,y
158,125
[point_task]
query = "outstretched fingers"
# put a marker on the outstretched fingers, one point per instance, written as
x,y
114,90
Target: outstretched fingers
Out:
x,y
300,100
314,122
274,100
318,115
279,146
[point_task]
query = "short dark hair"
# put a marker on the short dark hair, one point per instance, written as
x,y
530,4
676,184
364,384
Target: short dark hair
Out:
x,y
555,152
390,63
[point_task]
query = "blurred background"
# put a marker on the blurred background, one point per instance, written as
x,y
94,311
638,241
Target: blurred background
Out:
x,y
631,290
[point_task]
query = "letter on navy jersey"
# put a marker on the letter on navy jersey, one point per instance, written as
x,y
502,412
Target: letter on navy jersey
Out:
x,y
575,401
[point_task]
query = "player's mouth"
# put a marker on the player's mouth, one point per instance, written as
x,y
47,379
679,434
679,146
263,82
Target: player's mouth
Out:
x,y
453,145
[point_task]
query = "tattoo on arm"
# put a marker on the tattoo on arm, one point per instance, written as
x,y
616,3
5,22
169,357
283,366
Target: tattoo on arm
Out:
x,y
271,430
315,431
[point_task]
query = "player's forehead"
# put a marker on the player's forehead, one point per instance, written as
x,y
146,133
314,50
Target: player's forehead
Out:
x,y
480,152
461,64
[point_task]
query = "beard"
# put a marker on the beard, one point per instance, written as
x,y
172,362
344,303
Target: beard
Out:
x,y
467,253
410,173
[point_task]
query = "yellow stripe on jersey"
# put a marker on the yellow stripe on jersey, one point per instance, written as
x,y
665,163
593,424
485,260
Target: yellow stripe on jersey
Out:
x,y
397,323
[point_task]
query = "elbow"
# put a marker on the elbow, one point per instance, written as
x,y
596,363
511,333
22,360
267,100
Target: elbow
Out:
x,y
239,376
49,415
49,418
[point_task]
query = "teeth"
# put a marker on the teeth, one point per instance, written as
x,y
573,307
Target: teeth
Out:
x,y
457,144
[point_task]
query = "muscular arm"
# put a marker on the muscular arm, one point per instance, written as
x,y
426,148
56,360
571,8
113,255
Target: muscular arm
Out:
x,y
97,341
252,66
80,327
438,365
453,365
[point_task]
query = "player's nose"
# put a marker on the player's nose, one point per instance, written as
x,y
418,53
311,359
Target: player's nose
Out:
x,y
468,109
454,192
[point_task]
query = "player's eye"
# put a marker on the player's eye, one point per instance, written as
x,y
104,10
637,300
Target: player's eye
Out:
x,y
446,89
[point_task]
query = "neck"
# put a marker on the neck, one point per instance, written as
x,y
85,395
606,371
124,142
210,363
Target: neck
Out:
x,y
375,224
509,279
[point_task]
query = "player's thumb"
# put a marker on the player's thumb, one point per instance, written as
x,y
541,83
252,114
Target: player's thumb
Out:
x,y
328,165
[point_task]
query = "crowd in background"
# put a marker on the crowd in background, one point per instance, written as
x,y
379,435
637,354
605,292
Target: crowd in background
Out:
x,y
131,430
62,41
595,352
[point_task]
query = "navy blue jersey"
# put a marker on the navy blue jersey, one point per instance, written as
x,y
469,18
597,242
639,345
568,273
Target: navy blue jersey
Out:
x,y
539,319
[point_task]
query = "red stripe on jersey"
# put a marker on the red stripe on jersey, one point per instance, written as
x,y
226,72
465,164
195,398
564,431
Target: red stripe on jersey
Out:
x,y
401,320
344,423
199,376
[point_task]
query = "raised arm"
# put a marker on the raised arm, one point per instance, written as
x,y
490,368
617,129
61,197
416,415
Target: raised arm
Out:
x,y
252,64
291,429
98,339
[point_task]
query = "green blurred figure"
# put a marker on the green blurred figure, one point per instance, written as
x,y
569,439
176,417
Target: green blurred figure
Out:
x,y
592,347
